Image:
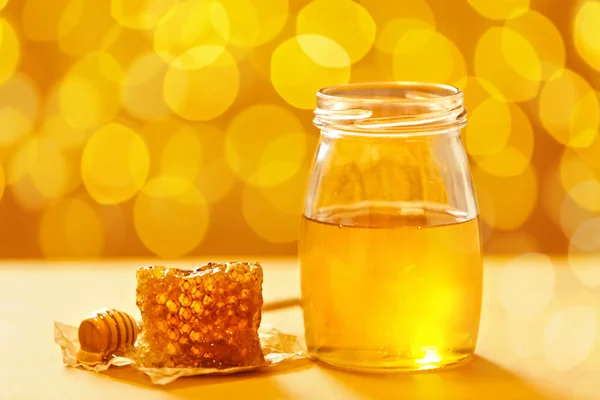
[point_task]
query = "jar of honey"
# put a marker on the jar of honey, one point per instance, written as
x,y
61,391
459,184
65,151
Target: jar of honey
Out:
x,y
390,251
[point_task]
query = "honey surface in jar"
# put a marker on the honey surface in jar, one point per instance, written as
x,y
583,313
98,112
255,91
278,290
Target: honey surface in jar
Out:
x,y
207,317
104,333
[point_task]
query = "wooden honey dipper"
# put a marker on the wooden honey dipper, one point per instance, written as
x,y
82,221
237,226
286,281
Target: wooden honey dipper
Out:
x,y
104,333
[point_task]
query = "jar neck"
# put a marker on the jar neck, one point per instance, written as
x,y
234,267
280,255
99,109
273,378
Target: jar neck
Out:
x,y
390,109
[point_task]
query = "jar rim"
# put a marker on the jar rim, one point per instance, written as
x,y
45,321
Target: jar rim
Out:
x,y
390,108
443,91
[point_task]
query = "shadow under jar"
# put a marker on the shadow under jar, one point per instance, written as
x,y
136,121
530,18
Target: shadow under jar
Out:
x,y
390,251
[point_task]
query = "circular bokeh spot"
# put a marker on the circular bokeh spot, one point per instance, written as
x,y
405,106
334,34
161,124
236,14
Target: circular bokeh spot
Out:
x,y
513,158
526,285
140,14
575,325
142,93
297,77
508,64
274,212
41,19
190,24
89,95
170,216
545,38
428,56
19,104
71,228
324,51
198,91
499,10
83,25
586,32
114,164
272,157
569,109
216,178
255,22
126,45
415,14
584,245
42,163
10,51
489,127
500,210
344,21
182,155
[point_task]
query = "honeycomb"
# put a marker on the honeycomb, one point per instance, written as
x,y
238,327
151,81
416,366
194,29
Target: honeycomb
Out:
x,y
207,317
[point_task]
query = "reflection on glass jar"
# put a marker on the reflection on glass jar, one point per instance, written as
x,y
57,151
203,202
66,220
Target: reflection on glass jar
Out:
x,y
390,250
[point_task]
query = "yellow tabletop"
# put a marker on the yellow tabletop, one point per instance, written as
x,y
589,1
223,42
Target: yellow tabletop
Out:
x,y
539,338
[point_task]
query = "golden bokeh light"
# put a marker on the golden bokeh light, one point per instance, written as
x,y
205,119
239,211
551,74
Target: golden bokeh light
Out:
x,y
274,212
112,101
41,19
190,24
170,216
71,227
569,109
545,38
142,92
125,45
19,106
586,238
489,127
255,22
43,163
575,325
272,157
114,164
573,170
499,10
201,92
297,77
10,50
416,14
344,21
182,155
513,158
508,64
215,178
586,32
502,211
82,26
140,14
324,51
526,285
67,137
429,56
89,95
572,215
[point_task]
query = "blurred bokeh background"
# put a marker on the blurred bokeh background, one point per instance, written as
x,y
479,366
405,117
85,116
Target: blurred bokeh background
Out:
x,y
140,128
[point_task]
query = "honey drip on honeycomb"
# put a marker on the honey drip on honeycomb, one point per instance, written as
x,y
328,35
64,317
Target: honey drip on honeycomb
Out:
x,y
207,317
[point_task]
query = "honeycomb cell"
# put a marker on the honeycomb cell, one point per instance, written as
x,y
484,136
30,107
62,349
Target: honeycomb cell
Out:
x,y
210,318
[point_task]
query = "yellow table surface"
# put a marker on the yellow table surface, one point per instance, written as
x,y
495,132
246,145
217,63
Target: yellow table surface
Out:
x,y
539,338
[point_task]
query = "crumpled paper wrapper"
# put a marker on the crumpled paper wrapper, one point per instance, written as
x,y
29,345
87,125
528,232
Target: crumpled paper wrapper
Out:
x,y
277,348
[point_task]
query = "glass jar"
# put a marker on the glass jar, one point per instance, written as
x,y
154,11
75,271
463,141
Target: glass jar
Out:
x,y
390,250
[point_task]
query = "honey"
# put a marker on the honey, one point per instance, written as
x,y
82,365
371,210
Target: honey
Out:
x,y
207,317
391,287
